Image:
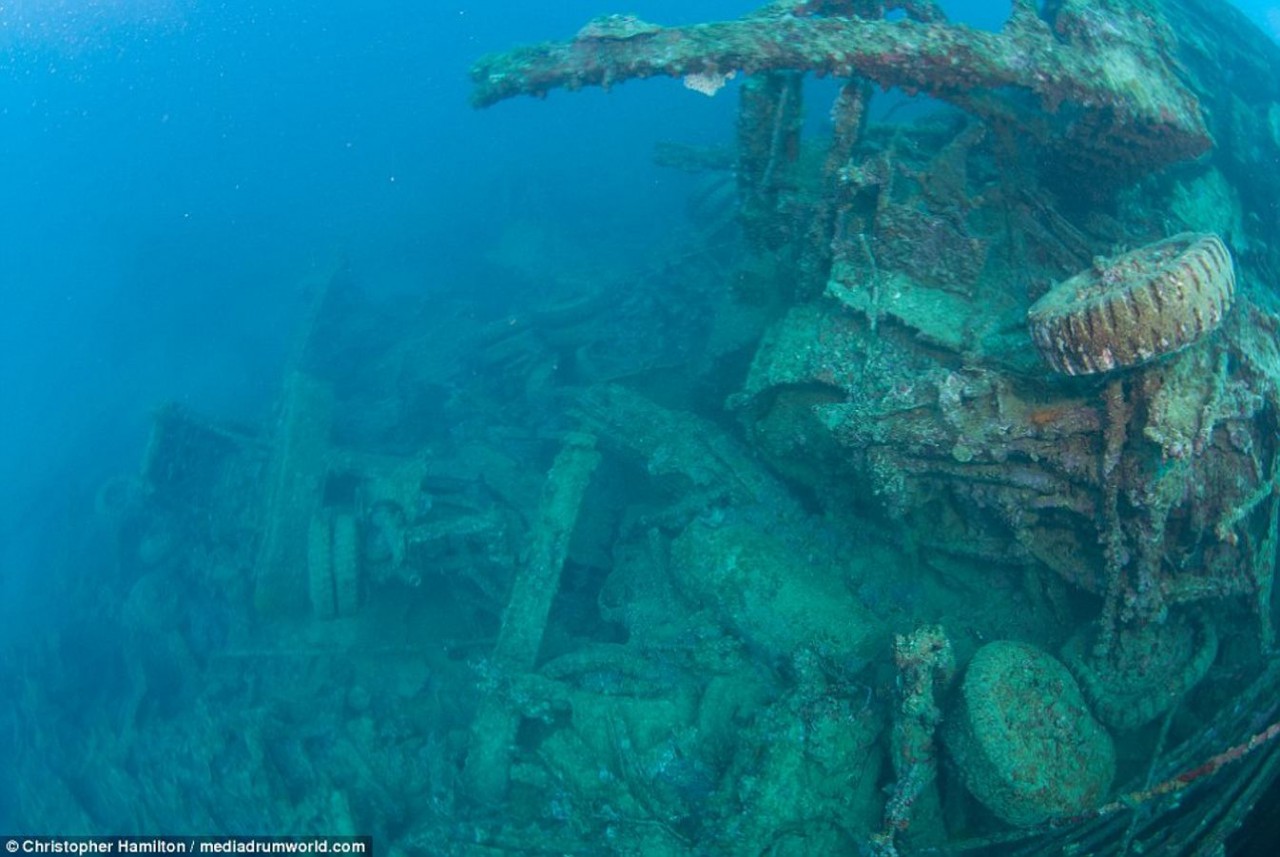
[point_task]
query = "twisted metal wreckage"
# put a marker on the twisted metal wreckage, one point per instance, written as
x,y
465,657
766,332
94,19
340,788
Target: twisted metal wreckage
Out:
x,y
899,363
998,382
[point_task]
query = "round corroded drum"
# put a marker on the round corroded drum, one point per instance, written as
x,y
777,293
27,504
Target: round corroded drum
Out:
x,y
1023,740
1133,308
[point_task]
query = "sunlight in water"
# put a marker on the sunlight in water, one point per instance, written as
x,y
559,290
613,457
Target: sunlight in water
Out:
x,y
70,27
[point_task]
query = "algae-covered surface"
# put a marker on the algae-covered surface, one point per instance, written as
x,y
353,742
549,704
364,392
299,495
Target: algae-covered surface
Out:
x,y
799,536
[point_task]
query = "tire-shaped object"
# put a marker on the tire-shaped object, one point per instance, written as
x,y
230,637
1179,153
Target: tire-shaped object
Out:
x,y
346,565
320,567
1133,308
1147,670
1023,739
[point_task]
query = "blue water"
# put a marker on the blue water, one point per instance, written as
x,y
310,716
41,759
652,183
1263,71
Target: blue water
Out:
x,y
172,173
172,169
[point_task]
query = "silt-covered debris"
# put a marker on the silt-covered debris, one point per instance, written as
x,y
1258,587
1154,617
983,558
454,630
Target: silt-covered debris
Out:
x,y
924,499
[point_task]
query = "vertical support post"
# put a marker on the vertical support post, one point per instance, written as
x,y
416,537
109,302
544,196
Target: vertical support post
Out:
x,y
769,120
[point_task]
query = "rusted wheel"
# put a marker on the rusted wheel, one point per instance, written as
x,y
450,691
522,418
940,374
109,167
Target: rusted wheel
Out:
x,y
320,567
333,565
1148,669
346,565
1023,740
1129,309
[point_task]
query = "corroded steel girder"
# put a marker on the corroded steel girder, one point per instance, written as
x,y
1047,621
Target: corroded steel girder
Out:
x,y
1093,80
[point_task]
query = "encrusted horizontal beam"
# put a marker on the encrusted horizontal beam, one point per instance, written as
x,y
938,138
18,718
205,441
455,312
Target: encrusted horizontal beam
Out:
x,y
1094,81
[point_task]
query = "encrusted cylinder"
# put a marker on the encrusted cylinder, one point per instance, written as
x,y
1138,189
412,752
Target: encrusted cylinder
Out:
x,y
1023,740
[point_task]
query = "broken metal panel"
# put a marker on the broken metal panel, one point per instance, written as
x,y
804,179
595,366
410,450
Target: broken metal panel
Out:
x,y
525,617
295,489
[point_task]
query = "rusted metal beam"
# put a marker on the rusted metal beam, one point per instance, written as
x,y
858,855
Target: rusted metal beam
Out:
x,y
1093,80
